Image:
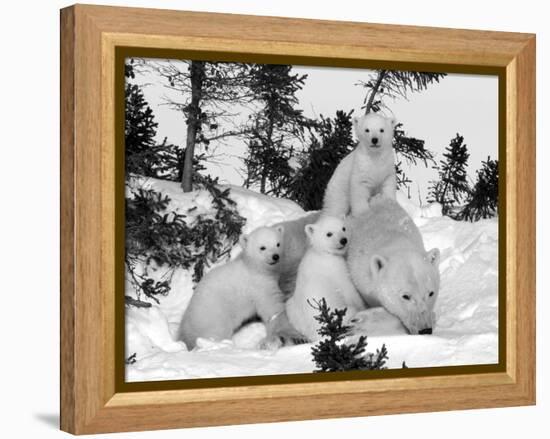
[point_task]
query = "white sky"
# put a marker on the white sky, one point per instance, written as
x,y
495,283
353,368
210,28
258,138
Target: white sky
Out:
x,y
465,104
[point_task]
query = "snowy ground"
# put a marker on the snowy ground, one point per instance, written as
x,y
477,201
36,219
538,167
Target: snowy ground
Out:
x,y
467,308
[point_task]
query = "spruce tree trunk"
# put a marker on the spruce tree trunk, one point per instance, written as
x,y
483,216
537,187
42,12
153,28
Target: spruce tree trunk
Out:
x,y
193,123
267,145
374,91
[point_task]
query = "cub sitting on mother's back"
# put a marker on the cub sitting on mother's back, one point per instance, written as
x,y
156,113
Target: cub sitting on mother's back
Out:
x,y
323,274
239,290
366,171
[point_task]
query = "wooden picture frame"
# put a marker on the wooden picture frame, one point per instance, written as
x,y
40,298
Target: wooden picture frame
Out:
x,y
92,397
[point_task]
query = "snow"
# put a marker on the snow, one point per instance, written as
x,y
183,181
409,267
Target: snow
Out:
x,y
467,307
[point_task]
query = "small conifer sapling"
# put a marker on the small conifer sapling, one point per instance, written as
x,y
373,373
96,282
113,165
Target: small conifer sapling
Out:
x,y
332,354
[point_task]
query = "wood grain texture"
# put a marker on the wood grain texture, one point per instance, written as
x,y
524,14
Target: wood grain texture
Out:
x,y
89,36
67,253
512,214
525,221
323,37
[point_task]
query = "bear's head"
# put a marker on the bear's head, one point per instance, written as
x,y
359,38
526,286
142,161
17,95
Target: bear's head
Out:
x,y
328,235
263,246
409,285
374,131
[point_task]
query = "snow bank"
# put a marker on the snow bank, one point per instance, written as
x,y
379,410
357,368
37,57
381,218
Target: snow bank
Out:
x,y
467,308
258,209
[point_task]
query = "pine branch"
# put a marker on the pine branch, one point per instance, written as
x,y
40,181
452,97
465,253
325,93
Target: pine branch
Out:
x,y
137,303
132,359
332,354
374,91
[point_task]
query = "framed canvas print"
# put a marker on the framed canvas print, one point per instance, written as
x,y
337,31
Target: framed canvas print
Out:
x,y
270,219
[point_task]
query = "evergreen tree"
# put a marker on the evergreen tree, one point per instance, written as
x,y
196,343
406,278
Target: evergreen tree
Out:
x,y
331,354
274,129
452,186
395,83
155,234
483,199
143,156
410,149
330,141
402,179
140,131
209,91
169,239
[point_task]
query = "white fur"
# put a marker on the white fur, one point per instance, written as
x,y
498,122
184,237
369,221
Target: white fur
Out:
x,y
323,273
238,290
376,321
390,267
366,171
295,243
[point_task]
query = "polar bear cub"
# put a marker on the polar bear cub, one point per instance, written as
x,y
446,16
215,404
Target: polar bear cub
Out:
x,y
366,171
323,273
237,291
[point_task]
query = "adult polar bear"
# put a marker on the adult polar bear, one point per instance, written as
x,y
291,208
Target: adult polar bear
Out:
x,y
388,262
390,266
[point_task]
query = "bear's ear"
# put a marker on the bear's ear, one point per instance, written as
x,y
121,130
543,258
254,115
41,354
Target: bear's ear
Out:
x,y
355,122
377,264
310,229
280,229
433,256
393,122
243,241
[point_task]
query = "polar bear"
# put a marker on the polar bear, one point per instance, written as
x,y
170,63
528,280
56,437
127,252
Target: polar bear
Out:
x,y
376,321
323,273
390,266
294,245
237,291
369,169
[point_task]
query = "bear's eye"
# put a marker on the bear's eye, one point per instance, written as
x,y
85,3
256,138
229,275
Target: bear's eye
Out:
x,y
278,244
406,297
262,248
381,130
343,229
367,131
329,234
431,294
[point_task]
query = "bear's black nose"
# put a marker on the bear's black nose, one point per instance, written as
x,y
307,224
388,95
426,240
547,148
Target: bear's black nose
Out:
x,y
343,241
374,140
425,331
275,257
